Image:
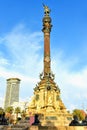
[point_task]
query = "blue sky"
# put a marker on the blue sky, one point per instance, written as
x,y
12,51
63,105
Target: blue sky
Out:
x,y
21,47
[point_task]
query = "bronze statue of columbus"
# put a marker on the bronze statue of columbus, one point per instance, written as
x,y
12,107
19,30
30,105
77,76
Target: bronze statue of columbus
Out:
x,y
46,9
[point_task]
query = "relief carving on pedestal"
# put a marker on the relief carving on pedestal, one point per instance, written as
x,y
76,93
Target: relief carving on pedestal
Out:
x,y
50,98
32,103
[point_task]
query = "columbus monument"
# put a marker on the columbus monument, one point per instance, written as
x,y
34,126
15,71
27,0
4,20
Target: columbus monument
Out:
x,y
46,100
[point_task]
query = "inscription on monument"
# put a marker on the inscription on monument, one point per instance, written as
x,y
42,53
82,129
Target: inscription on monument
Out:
x,y
51,118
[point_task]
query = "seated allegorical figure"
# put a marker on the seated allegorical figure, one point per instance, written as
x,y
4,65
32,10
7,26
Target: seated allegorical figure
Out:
x,y
75,121
84,122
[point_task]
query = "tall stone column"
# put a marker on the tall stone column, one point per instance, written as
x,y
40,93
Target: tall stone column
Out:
x,y
46,30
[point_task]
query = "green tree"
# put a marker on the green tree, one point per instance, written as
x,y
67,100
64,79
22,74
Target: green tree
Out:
x,y
9,109
23,113
79,113
17,110
1,110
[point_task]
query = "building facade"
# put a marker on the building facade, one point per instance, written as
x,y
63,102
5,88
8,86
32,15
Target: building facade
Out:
x,y
12,92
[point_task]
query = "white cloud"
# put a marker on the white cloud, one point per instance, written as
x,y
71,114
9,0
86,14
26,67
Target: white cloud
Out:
x,y
22,59
1,102
25,61
3,61
73,83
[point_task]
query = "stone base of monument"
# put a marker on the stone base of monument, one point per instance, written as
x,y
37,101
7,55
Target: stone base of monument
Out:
x,y
54,119
45,128
58,128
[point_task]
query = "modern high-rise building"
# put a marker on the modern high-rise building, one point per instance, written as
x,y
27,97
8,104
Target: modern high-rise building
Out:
x,y
12,92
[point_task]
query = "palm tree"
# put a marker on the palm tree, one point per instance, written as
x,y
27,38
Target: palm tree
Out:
x,y
23,114
17,111
9,110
